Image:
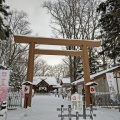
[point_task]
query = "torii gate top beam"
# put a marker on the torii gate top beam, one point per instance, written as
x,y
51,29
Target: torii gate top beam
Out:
x,y
54,41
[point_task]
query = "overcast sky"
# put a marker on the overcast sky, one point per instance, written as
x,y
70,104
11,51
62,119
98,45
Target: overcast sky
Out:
x,y
40,22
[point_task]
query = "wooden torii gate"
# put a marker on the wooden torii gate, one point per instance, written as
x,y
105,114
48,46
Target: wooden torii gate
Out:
x,y
51,41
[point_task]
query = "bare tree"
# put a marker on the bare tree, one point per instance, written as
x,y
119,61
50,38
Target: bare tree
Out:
x,y
18,25
41,68
73,19
15,54
60,71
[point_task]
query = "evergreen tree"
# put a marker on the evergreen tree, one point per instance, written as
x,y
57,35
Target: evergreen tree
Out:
x,y
110,24
4,28
94,62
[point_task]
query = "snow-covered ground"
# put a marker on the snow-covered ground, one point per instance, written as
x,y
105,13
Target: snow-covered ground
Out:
x,y
44,107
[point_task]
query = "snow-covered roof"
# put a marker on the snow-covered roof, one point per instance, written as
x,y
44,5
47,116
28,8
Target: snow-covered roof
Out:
x,y
27,82
57,86
69,88
36,81
3,67
49,80
97,74
66,80
91,83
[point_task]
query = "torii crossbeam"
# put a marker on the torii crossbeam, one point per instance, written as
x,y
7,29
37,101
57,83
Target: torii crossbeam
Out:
x,y
51,41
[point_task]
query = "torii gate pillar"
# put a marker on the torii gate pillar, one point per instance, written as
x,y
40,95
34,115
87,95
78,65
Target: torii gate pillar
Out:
x,y
30,72
51,41
86,70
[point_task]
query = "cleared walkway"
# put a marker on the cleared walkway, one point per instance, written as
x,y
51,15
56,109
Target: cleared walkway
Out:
x,y
45,108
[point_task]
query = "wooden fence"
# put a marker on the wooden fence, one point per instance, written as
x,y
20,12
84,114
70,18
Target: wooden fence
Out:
x,y
103,99
14,99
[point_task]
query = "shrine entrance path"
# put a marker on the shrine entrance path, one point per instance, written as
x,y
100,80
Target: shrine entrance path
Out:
x,y
44,107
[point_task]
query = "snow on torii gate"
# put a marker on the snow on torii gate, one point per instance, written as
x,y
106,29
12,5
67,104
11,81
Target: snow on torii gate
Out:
x,y
51,41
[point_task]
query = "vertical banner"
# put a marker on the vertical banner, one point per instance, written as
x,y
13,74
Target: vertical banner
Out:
x,y
4,78
80,89
23,91
112,86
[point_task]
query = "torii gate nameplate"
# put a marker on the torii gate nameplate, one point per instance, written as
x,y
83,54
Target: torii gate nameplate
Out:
x,y
51,41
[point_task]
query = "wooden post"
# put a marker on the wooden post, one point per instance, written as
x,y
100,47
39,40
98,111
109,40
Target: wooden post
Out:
x,y
30,72
69,112
77,116
84,108
91,111
62,112
86,75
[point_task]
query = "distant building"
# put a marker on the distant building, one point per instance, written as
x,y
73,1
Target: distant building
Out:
x,y
100,78
65,83
44,84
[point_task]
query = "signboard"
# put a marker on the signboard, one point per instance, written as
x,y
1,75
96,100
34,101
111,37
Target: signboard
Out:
x,y
92,89
77,102
75,97
80,89
112,86
27,89
4,78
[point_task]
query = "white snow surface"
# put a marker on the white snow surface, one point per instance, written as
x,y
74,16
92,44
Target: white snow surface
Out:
x,y
44,107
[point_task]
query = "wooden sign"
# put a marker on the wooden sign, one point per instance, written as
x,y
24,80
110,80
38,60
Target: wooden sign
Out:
x,y
92,89
27,89
77,102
